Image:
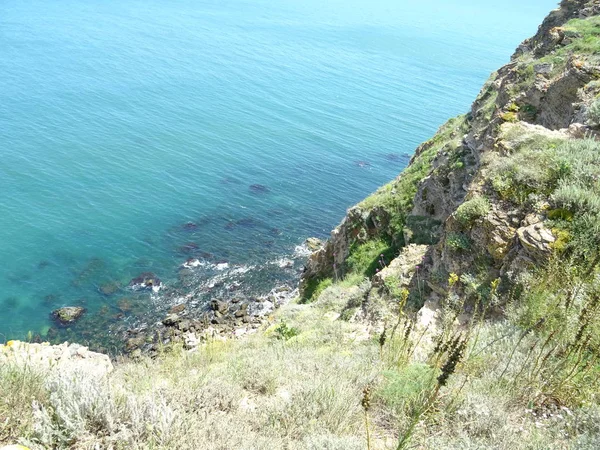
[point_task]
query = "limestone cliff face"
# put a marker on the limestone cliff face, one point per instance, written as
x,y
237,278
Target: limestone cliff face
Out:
x,y
454,196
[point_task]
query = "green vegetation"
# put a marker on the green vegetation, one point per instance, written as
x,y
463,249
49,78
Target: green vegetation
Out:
x,y
583,41
314,287
510,116
458,241
366,259
471,210
18,388
532,168
594,113
584,36
285,332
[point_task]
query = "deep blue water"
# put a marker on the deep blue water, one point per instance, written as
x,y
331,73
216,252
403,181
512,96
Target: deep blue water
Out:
x,y
120,121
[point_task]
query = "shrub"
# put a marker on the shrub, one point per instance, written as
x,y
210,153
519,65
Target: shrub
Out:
x,y
510,116
594,113
458,241
19,386
472,210
404,390
285,332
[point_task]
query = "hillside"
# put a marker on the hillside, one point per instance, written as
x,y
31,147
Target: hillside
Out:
x,y
455,308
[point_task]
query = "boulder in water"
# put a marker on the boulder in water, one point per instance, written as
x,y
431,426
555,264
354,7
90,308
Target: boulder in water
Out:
x,y
68,314
145,281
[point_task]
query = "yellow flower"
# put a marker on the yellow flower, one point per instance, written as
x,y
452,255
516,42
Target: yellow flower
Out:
x,y
453,279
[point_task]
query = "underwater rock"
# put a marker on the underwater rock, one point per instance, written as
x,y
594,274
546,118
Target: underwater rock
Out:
x,y
68,314
43,264
188,247
189,226
145,281
50,298
247,222
125,305
229,180
109,288
259,189
10,303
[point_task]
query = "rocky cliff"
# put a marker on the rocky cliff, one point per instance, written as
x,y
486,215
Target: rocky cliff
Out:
x,y
496,191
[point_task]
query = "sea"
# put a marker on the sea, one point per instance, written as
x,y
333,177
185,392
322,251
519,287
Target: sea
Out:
x,y
137,135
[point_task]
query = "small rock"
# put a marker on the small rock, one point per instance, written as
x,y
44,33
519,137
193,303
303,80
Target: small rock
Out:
x,y
145,281
314,244
109,288
184,325
171,320
177,309
190,341
219,306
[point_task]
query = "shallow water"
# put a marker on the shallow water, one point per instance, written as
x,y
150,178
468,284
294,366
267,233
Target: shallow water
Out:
x,y
259,122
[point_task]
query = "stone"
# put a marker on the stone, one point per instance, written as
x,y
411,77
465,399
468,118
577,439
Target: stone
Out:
x,y
536,240
313,244
171,320
110,288
543,68
134,343
146,281
190,341
177,309
403,267
219,306
184,325
68,314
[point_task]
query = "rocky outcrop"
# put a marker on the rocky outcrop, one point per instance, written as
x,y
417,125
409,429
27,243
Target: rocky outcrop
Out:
x,y
403,268
64,359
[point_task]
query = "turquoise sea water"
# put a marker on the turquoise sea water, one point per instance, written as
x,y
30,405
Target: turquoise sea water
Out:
x,y
121,121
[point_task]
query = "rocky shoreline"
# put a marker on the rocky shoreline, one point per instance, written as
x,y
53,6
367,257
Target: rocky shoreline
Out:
x,y
206,301
225,319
